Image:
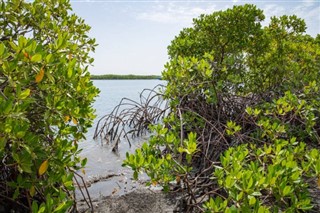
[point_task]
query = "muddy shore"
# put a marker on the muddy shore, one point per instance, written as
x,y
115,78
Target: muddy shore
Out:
x,y
140,200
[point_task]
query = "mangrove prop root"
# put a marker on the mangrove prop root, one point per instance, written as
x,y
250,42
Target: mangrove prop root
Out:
x,y
131,118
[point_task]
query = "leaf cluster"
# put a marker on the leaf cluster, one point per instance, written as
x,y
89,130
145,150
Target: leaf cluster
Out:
x,y
45,103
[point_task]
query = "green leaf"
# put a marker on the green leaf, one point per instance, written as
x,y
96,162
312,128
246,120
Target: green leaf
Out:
x,y
50,77
20,134
22,41
239,196
68,183
84,162
257,193
262,209
34,206
135,175
249,110
3,142
26,162
250,183
24,94
286,191
36,58
61,207
49,58
181,150
8,106
2,49
42,209
229,182
70,72
252,200
208,72
16,193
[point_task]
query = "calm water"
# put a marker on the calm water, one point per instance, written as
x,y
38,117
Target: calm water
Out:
x,y
101,161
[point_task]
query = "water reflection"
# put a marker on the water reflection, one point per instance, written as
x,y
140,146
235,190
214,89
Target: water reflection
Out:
x,y
101,160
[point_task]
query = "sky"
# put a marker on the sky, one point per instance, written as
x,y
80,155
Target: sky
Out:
x,y
133,35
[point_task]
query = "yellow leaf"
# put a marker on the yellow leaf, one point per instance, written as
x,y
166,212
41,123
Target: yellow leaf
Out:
x,y
26,55
178,179
43,168
66,118
154,183
32,191
318,182
83,171
24,94
74,121
39,76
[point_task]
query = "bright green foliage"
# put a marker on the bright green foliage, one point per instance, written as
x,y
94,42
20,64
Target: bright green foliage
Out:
x,y
254,177
273,176
162,168
220,33
45,103
251,96
241,57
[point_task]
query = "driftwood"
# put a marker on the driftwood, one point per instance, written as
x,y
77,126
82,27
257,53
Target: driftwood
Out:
x,y
131,118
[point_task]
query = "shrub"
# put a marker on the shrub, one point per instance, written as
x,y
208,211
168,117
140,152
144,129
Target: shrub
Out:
x,y
238,89
45,103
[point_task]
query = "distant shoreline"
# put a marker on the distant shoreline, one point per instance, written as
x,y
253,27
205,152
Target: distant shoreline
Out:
x,y
125,77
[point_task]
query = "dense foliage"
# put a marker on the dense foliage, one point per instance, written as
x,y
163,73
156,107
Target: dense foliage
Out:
x,y
123,77
45,103
244,130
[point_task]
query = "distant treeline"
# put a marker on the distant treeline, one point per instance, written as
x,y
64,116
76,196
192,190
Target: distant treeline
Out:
x,y
120,77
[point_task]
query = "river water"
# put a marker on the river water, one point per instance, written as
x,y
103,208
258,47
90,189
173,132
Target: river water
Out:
x,y
102,162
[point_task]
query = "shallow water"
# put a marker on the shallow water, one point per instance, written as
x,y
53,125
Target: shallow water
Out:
x,y
101,160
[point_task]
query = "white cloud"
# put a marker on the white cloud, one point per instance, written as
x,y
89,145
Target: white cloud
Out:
x,y
311,14
308,11
175,12
273,10
309,3
184,12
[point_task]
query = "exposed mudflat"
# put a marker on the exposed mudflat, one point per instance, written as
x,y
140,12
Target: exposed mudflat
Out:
x,y
141,200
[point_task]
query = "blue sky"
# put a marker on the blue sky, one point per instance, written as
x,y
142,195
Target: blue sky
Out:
x,y
133,35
